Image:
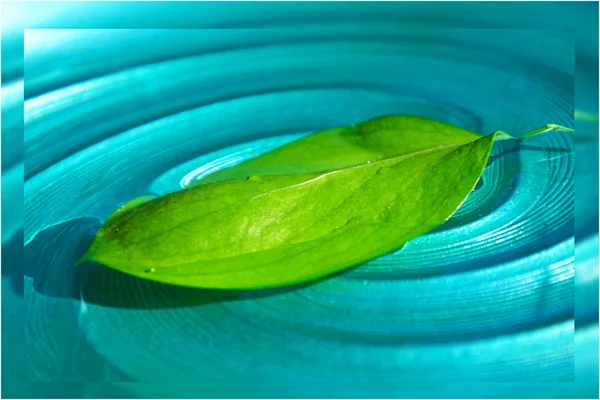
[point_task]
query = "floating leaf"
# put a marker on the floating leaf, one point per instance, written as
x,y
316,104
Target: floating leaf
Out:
x,y
322,204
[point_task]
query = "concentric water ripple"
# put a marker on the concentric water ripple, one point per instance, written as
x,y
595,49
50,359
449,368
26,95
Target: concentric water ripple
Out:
x,y
488,296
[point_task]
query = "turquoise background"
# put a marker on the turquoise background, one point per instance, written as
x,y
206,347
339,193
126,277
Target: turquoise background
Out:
x,y
102,106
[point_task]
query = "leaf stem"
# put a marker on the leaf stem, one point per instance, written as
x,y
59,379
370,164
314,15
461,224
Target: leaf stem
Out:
x,y
501,135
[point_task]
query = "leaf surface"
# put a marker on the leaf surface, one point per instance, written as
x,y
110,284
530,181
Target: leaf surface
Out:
x,y
373,140
363,192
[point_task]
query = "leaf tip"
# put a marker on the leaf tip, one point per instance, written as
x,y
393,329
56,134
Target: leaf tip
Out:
x,y
87,256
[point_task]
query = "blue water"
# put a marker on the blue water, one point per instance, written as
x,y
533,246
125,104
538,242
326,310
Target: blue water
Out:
x,y
501,301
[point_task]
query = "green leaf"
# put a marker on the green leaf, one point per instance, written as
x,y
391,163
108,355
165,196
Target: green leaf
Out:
x,y
343,147
320,205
